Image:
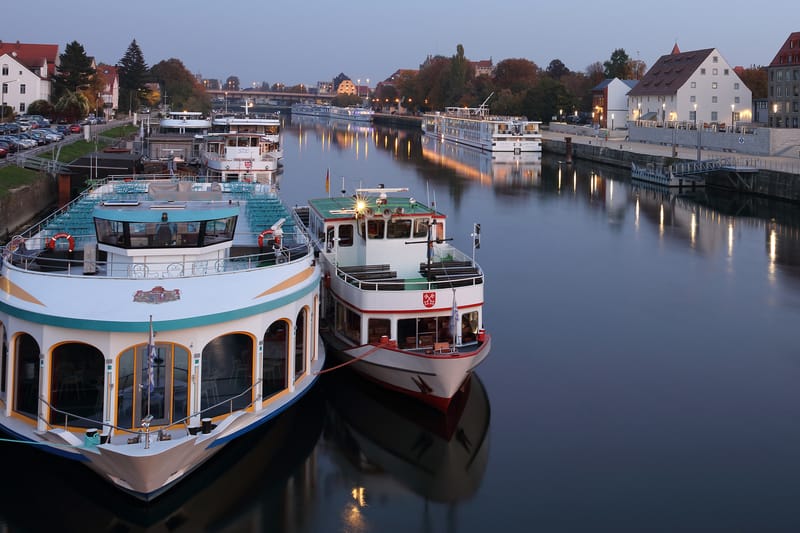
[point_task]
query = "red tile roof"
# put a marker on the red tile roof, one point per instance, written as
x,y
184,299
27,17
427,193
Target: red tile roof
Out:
x,y
32,56
670,73
789,54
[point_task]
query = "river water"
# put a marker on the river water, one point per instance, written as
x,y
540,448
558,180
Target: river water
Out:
x,y
643,374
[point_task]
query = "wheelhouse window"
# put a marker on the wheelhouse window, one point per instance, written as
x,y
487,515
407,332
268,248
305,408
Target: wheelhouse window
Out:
x,y
346,235
399,229
421,227
164,233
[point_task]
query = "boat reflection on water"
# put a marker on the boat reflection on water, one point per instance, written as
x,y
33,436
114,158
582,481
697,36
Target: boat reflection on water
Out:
x,y
441,458
245,484
498,168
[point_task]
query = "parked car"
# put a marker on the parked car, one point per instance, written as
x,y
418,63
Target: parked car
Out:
x,y
75,128
63,129
3,151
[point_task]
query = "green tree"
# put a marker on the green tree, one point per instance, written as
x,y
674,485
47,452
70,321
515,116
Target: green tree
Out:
x,y
544,101
617,65
74,70
41,107
556,69
456,82
517,75
180,86
133,76
72,106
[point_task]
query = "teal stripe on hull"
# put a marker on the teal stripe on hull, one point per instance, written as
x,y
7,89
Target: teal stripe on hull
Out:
x,y
144,325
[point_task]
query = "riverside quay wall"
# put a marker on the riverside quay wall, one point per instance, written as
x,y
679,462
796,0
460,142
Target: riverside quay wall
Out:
x,y
21,203
775,177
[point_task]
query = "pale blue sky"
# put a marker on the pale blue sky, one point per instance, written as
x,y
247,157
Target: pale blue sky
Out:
x,y
305,41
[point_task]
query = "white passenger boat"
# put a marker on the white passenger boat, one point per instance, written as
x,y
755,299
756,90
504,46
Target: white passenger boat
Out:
x,y
243,148
475,127
311,110
402,305
179,137
152,321
355,114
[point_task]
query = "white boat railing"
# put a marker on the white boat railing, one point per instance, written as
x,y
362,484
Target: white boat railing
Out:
x,y
109,429
33,261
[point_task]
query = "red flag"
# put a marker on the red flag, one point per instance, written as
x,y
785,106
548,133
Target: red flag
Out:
x,y
328,181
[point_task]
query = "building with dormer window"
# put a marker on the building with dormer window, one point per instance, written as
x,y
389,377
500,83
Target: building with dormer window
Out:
x,y
783,85
695,87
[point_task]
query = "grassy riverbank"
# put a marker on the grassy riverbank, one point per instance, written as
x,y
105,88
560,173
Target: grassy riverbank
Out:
x,y
12,176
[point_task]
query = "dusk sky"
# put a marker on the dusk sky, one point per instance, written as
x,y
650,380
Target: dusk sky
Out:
x,y
305,41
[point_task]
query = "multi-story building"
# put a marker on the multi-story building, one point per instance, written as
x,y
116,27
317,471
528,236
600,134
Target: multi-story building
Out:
x,y
26,71
697,86
610,103
110,93
783,82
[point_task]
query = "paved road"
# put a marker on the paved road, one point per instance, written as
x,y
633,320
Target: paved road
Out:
x,y
95,129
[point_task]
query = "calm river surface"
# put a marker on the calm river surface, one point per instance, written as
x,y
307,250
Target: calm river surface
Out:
x,y
643,377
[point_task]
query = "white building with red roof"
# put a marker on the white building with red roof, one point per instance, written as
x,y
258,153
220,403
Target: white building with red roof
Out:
x,y
26,71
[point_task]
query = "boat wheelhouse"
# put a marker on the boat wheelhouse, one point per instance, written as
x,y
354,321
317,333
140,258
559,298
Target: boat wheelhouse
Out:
x,y
402,305
477,128
152,321
179,137
243,148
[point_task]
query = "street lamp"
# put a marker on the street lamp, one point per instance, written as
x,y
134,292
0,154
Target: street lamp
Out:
x,y
358,87
663,113
3,92
697,127
612,121
732,106
226,102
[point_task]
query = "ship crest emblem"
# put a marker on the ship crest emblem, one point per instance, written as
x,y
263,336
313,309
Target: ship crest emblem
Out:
x,y
428,299
157,295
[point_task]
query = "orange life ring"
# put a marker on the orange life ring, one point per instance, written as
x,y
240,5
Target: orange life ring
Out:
x,y
51,244
266,232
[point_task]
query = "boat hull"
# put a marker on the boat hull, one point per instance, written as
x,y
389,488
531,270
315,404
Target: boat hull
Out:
x,y
433,378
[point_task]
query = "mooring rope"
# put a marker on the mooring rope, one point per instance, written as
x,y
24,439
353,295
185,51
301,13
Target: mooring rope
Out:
x,y
351,361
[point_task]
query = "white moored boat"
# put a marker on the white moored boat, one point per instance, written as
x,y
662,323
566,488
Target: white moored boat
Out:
x,y
354,114
474,126
154,320
243,148
401,304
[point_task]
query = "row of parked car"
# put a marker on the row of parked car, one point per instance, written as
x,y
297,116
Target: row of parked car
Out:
x,y
13,139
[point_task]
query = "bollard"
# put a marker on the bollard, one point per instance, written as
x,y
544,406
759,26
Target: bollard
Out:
x,y
568,141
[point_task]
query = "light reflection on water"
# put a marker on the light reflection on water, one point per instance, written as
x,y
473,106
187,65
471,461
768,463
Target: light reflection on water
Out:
x,y
643,374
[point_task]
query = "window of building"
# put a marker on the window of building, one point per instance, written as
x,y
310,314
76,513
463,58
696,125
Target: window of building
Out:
x,y
692,98
693,116
22,107
725,72
713,99
5,70
713,116
736,86
21,88
693,85
702,72
780,75
714,59
736,99
714,85
714,72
